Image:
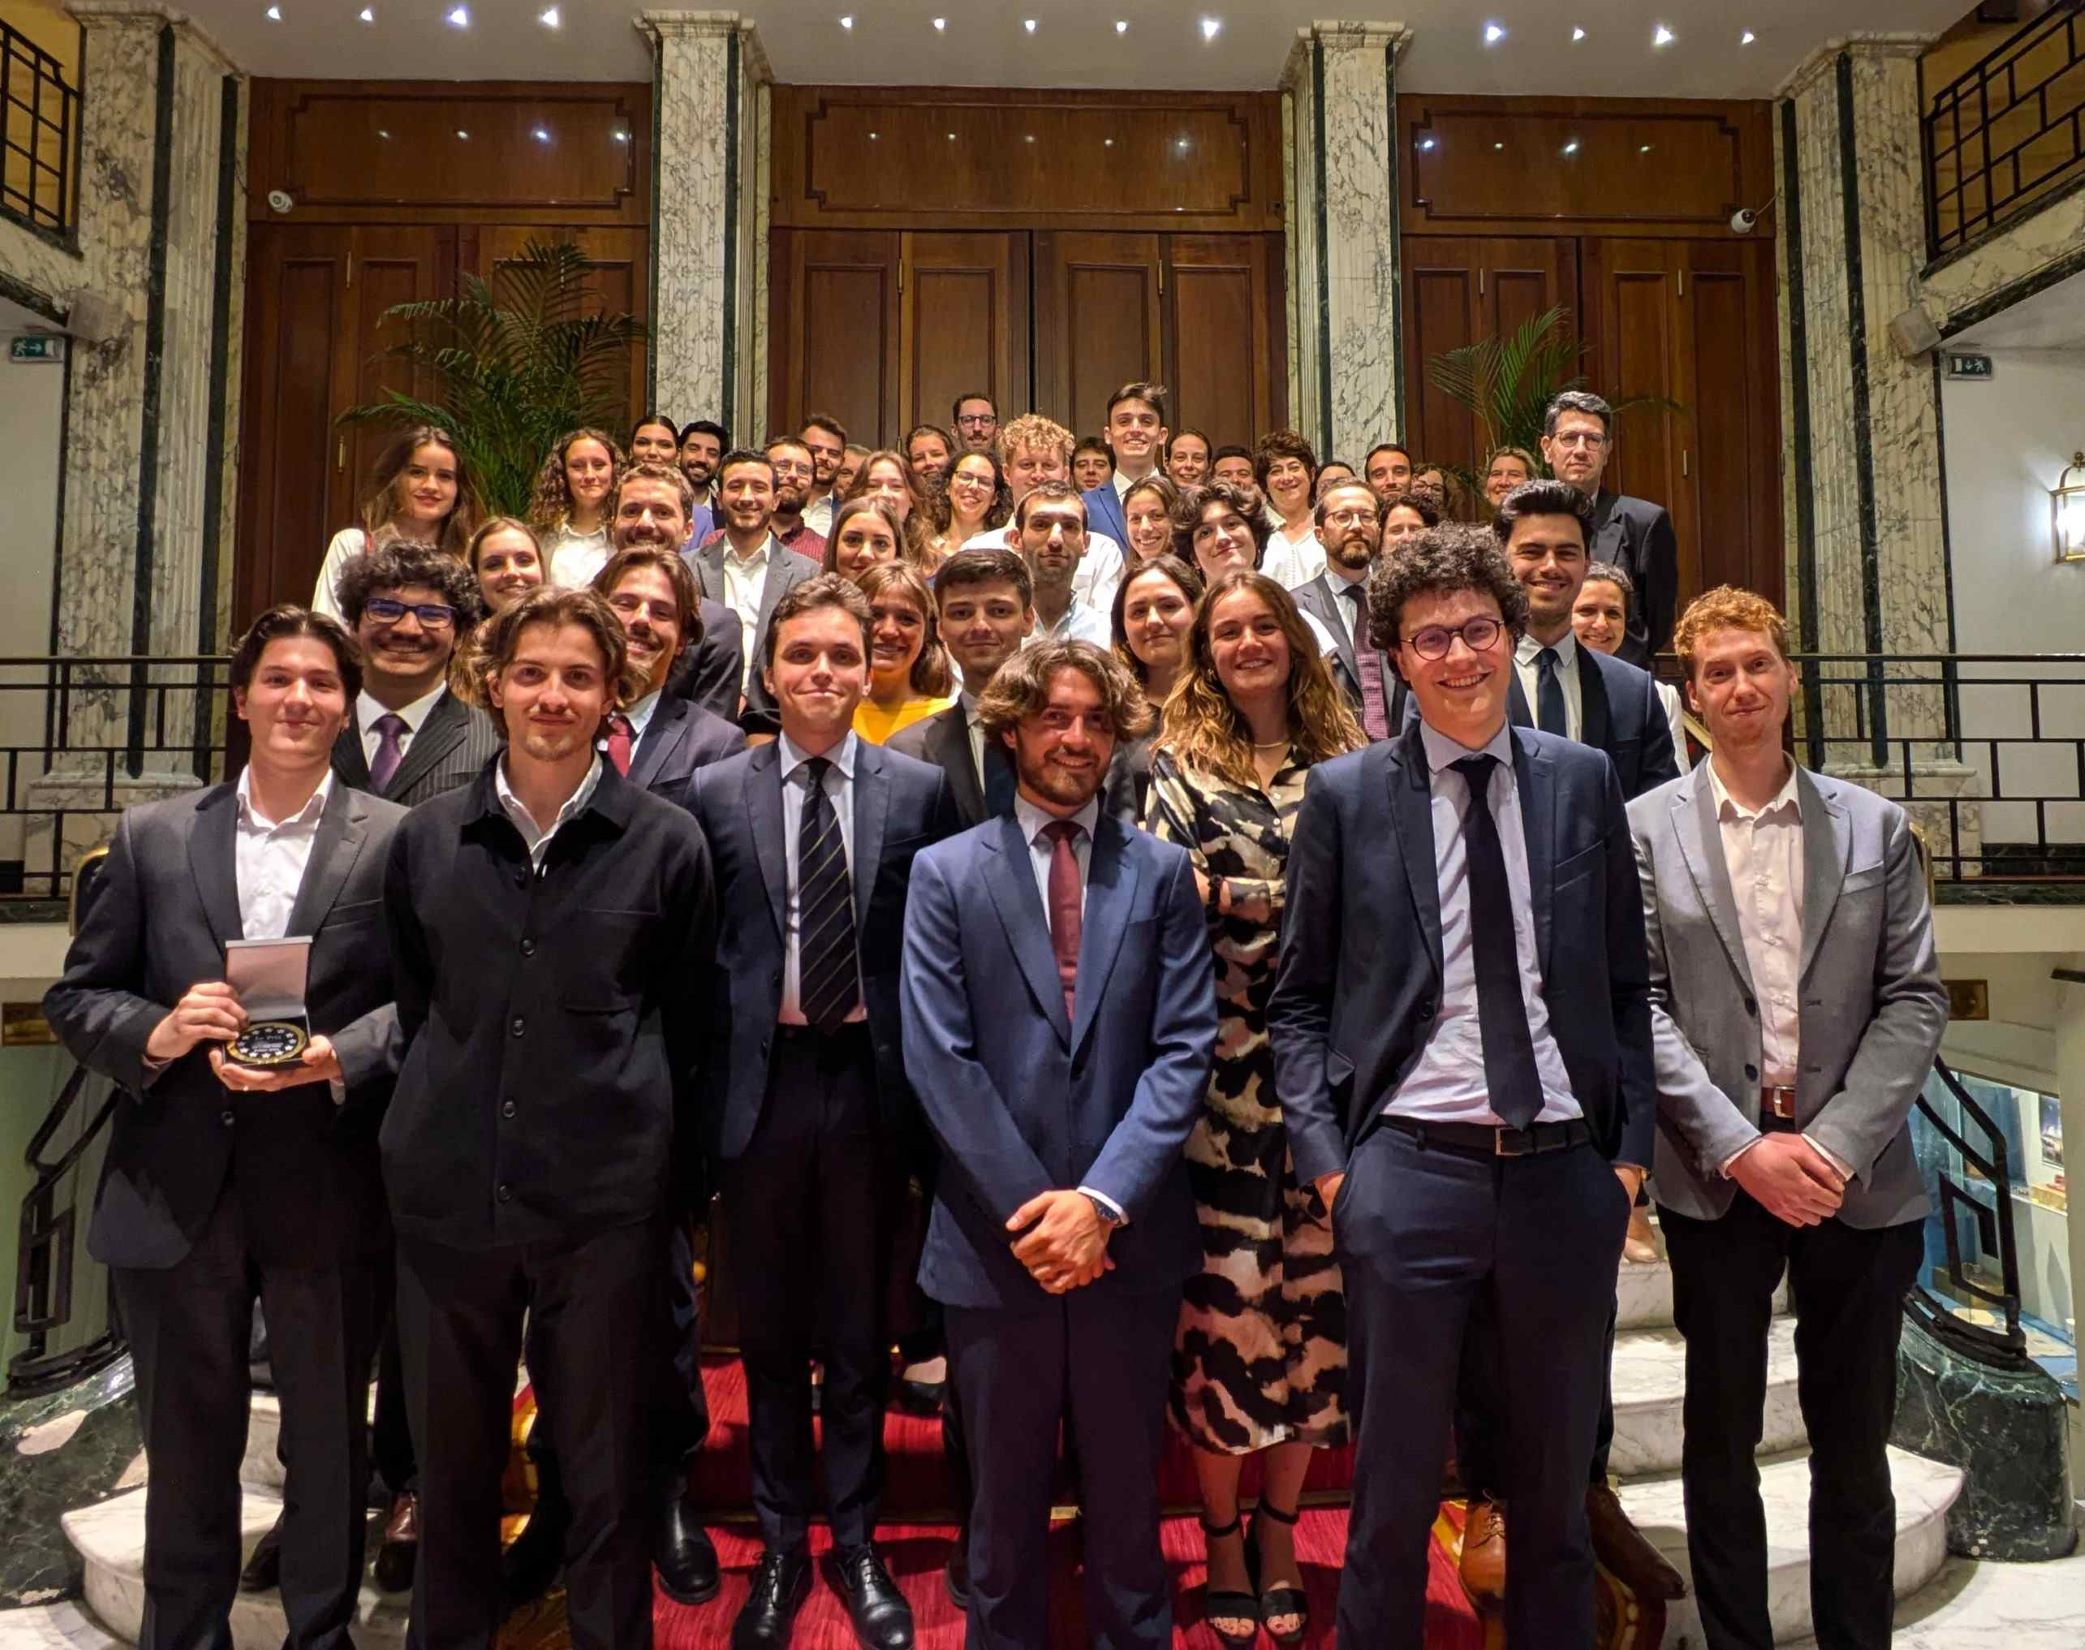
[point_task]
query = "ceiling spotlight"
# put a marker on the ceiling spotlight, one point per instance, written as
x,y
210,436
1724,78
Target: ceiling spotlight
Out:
x,y
1027,137
551,18
1577,35
460,132
1747,38
541,135
940,24
1121,25
1498,146
1571,146
847,22
1494,33
367,14
1429,144
1661,36
386,136
1644,150
873,136
460,18
1211,27
621,136
1107,143
275,14
951,137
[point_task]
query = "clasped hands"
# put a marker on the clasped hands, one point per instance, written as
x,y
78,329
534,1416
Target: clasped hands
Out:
x,y
210,1011
1790,1178
1063,1241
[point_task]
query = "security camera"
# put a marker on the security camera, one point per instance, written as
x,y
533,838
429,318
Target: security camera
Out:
x,y
1743,221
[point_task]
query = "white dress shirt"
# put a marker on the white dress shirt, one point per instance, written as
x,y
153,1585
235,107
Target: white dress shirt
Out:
x,y
1675,719
976,730
1080,622
745,585
818,515
537,837
269,858
1099,571
576,557
1530,673
1292,562
1446,1083
414,716
1340,584
839,786
1041,850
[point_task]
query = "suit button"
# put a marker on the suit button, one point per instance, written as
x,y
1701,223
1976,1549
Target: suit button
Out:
x,y
1426,1008
503,1192
508,1108
517,1025
521,879
777,980
1752,1007
528,948
1752,1072
225,1117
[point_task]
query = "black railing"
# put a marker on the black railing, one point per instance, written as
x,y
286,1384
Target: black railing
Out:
x,y
77,736
1988,1203
2007,130
39,127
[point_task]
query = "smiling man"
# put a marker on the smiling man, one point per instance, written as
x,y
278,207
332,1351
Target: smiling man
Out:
x,y
1461,1037
552,928
1136,436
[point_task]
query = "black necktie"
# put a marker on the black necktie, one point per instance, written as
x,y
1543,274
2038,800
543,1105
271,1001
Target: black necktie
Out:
x,y
1510,1077
828,978
999,779
1549,696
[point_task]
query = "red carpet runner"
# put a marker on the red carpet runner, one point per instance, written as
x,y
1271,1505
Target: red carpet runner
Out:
x,y
916,1552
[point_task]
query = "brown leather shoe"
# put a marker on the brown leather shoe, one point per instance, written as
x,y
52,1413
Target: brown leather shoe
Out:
x,y
399,1551
1484,1554
1624,1551
1640,1247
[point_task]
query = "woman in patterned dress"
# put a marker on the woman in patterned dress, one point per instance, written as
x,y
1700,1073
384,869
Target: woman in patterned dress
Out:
x,y
1259,1357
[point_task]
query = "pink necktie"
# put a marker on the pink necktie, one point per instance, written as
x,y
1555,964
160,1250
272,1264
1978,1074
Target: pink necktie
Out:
x,y
1065,906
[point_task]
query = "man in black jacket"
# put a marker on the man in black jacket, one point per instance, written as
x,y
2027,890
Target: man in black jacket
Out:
x,y
1633,533
551,929
222,1177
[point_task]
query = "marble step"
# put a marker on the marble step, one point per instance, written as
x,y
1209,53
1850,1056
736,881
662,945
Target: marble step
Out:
x,y
65,1625
1924,1490
261,1470
1650,1378
1643,1295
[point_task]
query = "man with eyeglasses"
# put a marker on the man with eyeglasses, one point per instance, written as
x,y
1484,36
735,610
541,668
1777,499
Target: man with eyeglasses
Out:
x,y
976,421
411,738
1462,1043
1350,520
1631,533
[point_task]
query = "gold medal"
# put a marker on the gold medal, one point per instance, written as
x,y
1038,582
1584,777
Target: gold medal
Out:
x,y
269,1043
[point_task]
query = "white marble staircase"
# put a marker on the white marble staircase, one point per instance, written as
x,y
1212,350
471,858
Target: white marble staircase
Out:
x,y
1648,1388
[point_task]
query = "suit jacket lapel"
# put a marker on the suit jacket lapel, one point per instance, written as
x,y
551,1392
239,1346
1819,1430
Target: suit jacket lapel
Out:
x,y
773,584
439,734
210,858
1517,711
871,814
334,850
1338,619
667,728
1701,845
1014,895
1827,848
764,820
1411,811
1595,718
948,745
1111,893
1534,779
348,761
709,570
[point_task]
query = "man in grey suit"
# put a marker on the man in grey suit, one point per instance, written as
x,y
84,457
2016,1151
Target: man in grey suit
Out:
x,y
1796,1006
748,569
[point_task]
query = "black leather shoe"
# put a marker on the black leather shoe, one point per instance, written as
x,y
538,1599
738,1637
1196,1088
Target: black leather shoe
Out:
x,y
918,1397
781,1582
683,1554
529,1567
263,1572
882,1619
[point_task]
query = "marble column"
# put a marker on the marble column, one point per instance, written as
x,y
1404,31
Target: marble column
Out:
x,y
1339,125
1868,534
150,434
709,241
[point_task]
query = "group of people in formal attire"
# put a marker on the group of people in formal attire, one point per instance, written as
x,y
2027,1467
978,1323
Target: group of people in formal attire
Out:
x,y
1271,926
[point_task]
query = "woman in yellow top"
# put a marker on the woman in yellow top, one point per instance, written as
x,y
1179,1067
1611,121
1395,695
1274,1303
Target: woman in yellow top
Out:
x,y
908,671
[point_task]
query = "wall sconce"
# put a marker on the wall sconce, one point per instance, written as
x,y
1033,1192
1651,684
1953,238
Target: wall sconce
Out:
x,y
2067,511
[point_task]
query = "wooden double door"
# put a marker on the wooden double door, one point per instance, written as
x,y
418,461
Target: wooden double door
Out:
x,y
1689,322
317,295
883,329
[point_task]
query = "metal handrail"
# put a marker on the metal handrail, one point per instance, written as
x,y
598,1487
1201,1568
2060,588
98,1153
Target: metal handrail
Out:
x,y
2006,1347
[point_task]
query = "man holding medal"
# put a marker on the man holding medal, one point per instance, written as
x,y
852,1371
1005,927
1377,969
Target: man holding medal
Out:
x,y
225,1178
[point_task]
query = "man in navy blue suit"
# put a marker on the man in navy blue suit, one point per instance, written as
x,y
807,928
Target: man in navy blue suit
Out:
x,y
1060,1017
813,838
1136,435
1461,1033
660,742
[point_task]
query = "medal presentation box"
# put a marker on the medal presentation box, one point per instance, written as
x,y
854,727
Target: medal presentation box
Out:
x,y
269,976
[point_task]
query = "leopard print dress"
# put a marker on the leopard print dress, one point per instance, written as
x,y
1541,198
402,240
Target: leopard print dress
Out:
x,y
1259,1357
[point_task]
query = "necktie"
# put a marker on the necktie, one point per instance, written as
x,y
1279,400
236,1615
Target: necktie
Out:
x,y
1368,663
619,741
999,779
828,976
1066,907
1515,1087
390,750
1549,695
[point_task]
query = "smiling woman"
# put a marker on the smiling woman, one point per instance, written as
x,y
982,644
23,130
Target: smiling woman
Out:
x,y
421,491
908,670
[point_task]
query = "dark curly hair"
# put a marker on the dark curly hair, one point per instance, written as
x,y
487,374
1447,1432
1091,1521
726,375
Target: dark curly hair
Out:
x,y
398,565
1441,561
1187,515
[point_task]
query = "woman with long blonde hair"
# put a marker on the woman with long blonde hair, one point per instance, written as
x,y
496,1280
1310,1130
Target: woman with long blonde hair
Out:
x,y
1259,1355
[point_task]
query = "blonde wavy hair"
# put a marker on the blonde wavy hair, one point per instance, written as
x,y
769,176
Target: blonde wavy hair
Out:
x,y
551,503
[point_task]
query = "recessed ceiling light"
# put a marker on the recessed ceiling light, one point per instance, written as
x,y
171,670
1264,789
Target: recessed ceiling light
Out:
x,y
1180,144
1661,36
1429,143
460,132
1571,146
1107,143
1028,23
1494,33
951,137
460,18
621,136
275,14
1122,25
380,132
1498,146
1646,149
542,135
1747,38
940,23
1577,35
847,22
1211,27
551,18
367,14
1027,137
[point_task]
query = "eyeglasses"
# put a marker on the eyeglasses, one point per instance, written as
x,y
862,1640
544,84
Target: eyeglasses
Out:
x,y
1578,438
1478,635
1340,517
389,610
978,421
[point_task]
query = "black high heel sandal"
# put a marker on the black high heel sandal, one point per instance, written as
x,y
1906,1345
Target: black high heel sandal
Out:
x,y
1276,1601
1229,1605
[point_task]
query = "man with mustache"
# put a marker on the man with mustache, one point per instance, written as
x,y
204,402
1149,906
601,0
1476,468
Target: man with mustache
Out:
x,y
551,928
651,507
1350,526
825,438
1059,1019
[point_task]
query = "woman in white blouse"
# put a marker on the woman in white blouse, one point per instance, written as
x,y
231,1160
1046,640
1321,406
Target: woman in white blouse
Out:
x,y
421,490
570,507
1598,618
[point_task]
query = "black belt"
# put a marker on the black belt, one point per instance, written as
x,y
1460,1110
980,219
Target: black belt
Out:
x,y
1487,1140
847,1031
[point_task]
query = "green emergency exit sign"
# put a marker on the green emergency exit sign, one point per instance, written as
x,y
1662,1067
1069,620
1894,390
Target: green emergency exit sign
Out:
x,y
36,346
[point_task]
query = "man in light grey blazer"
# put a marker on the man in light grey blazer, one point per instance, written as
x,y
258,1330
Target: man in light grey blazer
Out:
x,y
1796,1007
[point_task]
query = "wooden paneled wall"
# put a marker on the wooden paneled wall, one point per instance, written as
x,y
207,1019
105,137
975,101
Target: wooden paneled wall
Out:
x,y
1040,246
394,190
